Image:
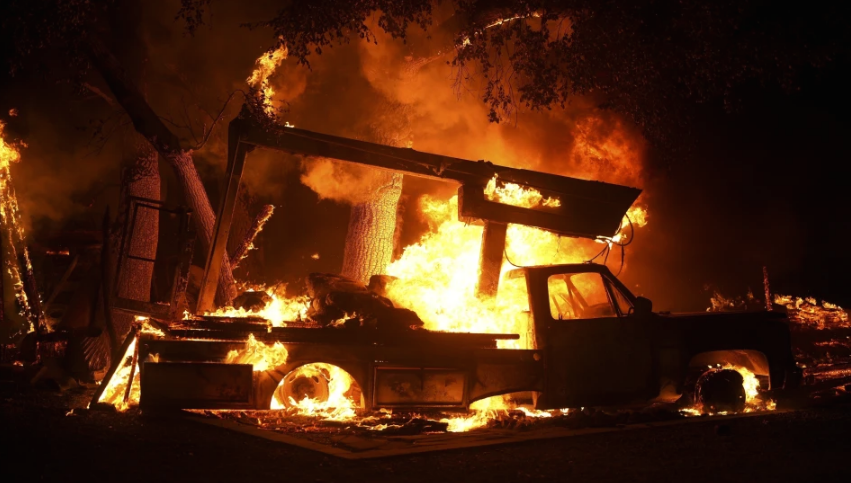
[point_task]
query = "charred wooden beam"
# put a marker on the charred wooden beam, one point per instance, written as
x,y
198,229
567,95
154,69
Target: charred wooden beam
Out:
x,y
490,260
237,150
588,208
238,331
409,161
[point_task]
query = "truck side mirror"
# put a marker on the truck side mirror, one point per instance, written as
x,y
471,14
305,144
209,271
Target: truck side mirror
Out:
x,y
643,306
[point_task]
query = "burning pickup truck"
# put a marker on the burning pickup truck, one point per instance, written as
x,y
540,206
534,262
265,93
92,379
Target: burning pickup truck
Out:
x,y
583,339
594,344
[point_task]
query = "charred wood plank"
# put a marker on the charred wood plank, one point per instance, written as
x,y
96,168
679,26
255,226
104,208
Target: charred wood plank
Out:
x,y
204,385
218,246
348,336
490,260
598,205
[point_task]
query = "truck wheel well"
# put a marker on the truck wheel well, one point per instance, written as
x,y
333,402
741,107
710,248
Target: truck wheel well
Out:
x,y
335,382
754,361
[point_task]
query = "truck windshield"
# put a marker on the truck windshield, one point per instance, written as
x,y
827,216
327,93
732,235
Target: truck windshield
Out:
x,y
579,296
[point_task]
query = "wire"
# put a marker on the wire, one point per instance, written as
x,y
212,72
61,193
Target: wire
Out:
x,y
508,259
608,246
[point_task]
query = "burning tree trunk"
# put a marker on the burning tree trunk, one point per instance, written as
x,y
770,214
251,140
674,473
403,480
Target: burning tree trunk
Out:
x,y
148,124
372,226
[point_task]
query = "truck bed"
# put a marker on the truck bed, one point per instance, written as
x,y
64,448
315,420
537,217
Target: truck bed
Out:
x,y
239,329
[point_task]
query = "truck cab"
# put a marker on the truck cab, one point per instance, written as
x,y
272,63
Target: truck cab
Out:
x,y
602,345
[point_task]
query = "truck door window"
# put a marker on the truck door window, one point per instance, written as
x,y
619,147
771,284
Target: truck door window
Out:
x,y
579,296
623,303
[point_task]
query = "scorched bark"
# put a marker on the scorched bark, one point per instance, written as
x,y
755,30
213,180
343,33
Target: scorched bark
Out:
x,y
369,241
149,125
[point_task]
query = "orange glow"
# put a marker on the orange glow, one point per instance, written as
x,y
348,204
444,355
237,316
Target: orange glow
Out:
x,y
259,78
337,405
278,312
261,356
10,218
116,386
516,195
753,400
437,277
809,311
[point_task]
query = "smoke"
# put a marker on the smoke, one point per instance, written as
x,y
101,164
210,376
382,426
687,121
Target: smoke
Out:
x,y
384,93
341,182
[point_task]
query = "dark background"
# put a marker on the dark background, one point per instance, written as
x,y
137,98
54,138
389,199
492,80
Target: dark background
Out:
x,y
763,184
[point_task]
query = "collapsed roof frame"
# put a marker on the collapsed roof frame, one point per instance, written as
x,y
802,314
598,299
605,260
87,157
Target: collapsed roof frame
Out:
x,y
588,209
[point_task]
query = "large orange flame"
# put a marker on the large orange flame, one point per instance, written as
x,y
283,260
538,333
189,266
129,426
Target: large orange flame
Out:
x,y
259,78
517,195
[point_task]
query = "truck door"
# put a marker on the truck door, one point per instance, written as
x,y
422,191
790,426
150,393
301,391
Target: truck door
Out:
x,y
596,352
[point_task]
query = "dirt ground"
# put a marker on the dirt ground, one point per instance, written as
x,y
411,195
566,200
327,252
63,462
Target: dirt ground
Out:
x,y
46,441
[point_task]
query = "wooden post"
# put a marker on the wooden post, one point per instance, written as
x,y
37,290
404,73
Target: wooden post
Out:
x,y
218,246
490,261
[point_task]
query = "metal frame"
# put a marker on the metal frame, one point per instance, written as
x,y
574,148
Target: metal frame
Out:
x,y
589,208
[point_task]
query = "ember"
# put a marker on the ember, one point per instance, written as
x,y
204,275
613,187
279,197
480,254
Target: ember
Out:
x,y
809,312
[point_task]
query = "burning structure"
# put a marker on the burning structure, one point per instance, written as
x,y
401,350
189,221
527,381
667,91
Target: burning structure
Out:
x,y
579,336
451,323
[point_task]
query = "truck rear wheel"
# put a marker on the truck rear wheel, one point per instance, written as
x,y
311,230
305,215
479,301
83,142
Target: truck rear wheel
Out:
x,y
308,381
720,390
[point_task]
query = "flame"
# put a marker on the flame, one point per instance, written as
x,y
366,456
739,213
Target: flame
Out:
x,y
753,399
466,42
516,195
116,386
147,328
437,277
261,356
808,311
259,78
10,218
489,409
278,312
338,406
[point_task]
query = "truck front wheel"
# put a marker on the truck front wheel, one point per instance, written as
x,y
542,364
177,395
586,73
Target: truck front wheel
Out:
x,y
720,390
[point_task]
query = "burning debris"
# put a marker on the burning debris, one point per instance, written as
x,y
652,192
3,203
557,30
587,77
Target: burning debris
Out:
x,y
808,311
15,256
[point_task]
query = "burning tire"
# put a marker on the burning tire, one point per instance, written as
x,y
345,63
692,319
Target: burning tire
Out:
x,y
318,388
721,390
310,381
